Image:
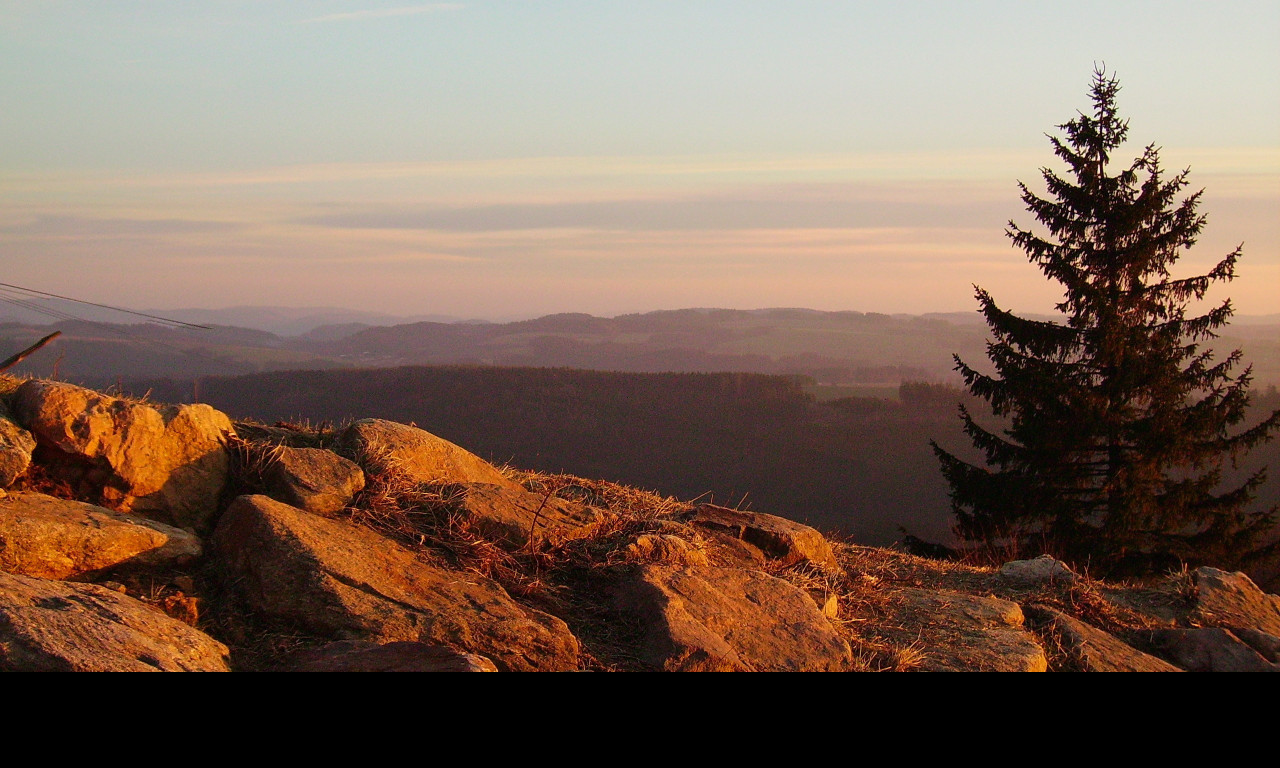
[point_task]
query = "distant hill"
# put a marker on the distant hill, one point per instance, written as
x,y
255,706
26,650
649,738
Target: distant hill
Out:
x,y
292,321
833,348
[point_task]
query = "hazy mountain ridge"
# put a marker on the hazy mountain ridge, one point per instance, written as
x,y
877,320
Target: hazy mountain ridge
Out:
x,y
830,347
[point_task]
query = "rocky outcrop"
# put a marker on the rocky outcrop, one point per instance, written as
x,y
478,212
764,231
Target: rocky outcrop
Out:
x,y
415,454
447,564
59,539
166,462
16,445
295,568
58,626
727,620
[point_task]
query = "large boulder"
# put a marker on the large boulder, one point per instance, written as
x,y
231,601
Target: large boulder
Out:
x,y
16,445
778,538
167,462
1091,649
58,539
60,626
708,619
348,583
415,454
313,479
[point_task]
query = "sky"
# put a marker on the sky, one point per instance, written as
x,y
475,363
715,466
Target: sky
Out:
x,y
504,159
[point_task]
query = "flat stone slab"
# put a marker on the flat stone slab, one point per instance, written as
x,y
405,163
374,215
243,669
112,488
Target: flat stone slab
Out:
x,y
706,619
1039,570
514,516
1208,650
60,626
780,539
52,538
341,581
964,633
1092,649
1267,646
343,656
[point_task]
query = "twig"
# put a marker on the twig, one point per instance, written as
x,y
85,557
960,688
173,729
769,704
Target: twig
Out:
x,y
533,526
24,354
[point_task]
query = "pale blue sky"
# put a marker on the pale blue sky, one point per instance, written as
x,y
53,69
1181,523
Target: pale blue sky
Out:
x,y
489,158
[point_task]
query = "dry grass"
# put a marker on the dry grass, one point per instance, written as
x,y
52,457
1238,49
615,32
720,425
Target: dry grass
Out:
x,y
249,464
9,384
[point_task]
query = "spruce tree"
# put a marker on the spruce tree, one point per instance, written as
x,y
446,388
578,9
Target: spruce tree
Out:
x,y
1115,423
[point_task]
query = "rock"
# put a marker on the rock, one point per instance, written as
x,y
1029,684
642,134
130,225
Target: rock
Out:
x,y
780,539
1090,648
59,626
964,633
343,656
727,619
829,606
16,445
1267,646
348,583
166,462
1037,571
665,548
58,539
416,454
1232,600
511,516
1207,650
313,479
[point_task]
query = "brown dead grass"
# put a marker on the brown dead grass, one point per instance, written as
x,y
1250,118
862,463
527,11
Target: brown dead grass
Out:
x,y
8,385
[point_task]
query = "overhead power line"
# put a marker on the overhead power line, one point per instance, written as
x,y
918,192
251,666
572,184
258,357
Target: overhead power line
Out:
x,y
67,316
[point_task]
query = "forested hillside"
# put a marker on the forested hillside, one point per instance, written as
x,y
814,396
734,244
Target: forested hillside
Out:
x,y
859,466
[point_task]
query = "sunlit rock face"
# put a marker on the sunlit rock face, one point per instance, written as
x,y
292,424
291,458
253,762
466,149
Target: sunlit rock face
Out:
x,y
167,462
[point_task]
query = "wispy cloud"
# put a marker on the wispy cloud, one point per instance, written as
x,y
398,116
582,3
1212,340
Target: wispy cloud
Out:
x,y
715,212
382,13
80,226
